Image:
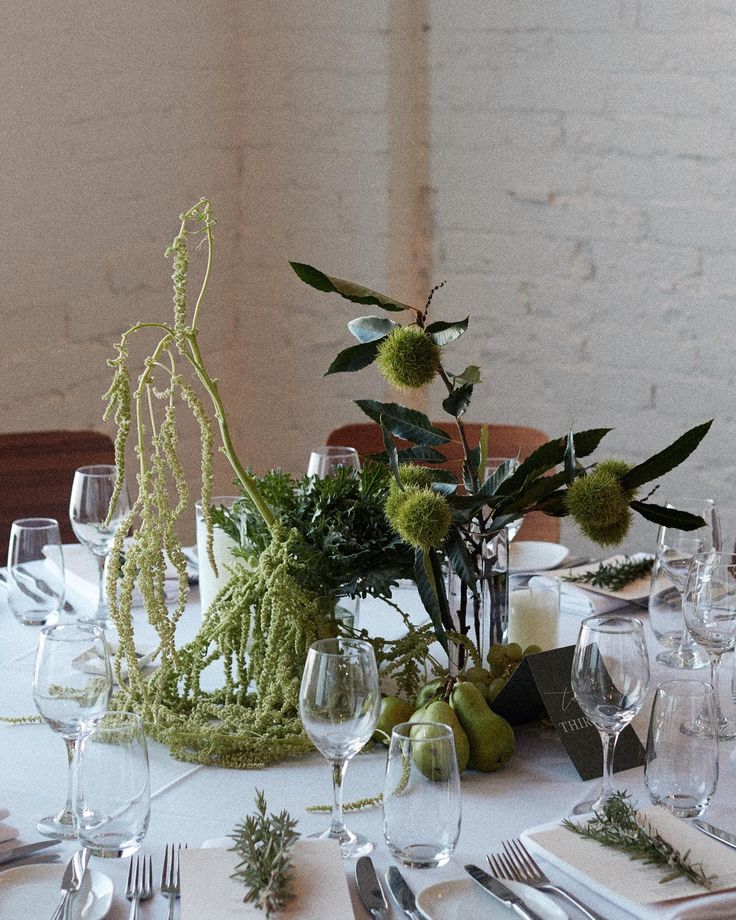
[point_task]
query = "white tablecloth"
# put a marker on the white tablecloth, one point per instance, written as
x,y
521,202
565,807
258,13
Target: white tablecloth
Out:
x,y
194,803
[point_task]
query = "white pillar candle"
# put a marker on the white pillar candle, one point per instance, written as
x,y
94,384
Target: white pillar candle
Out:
x,y
222,549
534,612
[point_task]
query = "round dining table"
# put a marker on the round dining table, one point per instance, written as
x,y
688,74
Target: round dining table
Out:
x,y
193,803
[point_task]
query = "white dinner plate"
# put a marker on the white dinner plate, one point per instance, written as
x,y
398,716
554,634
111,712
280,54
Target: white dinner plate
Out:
x,y
535,555
33,891
464,899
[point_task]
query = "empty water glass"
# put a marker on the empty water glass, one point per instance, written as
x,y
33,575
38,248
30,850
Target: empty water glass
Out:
x,y
112,802
681,770
35,571
326,460
421,795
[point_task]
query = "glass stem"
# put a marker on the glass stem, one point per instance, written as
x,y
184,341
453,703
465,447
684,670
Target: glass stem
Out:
x,y
715,661
609,740
337,825
71,749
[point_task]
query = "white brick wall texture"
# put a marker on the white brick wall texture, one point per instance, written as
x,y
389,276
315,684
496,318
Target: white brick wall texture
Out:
x,y
581,185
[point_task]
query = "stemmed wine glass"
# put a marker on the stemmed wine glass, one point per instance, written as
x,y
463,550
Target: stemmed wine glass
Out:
x,y
339,704
610,679
72,683
325,460
675,551
709,606
92,491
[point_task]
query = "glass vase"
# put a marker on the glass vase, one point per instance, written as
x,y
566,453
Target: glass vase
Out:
x,y
480,611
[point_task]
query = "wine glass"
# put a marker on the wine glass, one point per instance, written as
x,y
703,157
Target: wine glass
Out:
x,y
35,571
326,460
92,491
610,679
339,704
72,683
675,551
709,606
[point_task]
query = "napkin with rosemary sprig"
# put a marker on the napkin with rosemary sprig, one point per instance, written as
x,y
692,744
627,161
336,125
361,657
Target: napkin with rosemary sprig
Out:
x,y
600,587
620,887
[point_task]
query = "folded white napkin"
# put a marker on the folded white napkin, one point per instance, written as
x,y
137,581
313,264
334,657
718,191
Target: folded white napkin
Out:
x,y
619,888
320,885
81,576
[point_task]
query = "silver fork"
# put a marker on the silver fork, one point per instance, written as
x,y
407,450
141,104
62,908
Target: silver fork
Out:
x,y
518,865
140,884
170,883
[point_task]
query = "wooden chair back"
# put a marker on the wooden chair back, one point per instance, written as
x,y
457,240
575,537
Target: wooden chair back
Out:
x,y
503,441
36,473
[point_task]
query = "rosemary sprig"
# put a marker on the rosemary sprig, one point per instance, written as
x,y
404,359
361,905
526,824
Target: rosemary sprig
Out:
x,y
615,575
620,827
264,844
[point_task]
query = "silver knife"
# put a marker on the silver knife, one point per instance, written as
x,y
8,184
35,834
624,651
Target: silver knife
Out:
x,y
402,893
716,832
501,892
22,852
369,888
71,882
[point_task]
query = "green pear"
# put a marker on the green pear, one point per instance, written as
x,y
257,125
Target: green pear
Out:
x,y
440,711
394,711
491,738
428,691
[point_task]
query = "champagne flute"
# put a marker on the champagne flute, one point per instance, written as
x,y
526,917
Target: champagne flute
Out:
x,y
72,683
339,704
675,551
92,492
610,679
709,606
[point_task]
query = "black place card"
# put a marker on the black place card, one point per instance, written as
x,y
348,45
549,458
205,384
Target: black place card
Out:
x,y
541,684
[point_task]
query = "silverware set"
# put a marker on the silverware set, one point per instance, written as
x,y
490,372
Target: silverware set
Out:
x,y
140,880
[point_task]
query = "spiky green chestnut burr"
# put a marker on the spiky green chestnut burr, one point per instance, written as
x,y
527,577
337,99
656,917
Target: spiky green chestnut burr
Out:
x,y
412,477
408,358
423,518
600,505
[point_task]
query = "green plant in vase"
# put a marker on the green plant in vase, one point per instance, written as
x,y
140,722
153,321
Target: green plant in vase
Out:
x,y
261,624
456,522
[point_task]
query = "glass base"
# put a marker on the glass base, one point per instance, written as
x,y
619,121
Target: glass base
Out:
x,y
351,845
111,849
421,856
58,827
687,659
682,806
101,619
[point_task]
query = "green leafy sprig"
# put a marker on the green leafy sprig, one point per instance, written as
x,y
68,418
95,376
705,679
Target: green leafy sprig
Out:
x,y
620,827
264,844
614,575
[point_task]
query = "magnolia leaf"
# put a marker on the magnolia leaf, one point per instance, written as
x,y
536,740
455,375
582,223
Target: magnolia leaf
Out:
x,y
554,504
391,452
354,358
470,468
501,472
371,328
498,523
444,487
666,459
443,333
402,422
460,558
353,292
551,454
570,461
471,374
482,450
428,592
668,517
423,455
458,400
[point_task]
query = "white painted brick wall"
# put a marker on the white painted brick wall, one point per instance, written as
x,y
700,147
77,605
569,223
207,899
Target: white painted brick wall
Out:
x,y
583,164
583,193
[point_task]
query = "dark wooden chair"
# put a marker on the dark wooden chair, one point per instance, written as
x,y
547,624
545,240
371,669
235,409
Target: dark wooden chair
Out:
x,y
36,472
503,441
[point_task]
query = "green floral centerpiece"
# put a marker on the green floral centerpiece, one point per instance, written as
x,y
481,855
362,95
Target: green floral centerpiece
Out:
x,y
451,522
255,636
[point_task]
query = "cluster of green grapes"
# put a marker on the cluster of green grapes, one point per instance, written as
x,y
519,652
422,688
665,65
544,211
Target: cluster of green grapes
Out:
x,y
503,660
